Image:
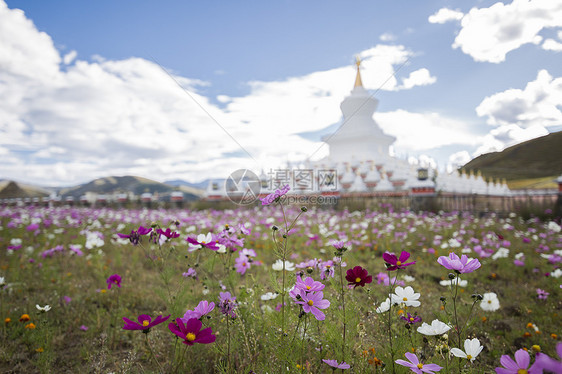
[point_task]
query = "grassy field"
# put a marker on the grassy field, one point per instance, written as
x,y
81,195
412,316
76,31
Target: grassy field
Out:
x,y
65,258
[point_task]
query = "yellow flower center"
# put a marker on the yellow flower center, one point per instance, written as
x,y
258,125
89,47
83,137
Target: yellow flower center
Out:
x,y
405,299
145,323
468,357
308,287
243,264
310,302
203,242
115,281
328,266
357,280
522,371
190,336
420,365
411,319
489,301
399,263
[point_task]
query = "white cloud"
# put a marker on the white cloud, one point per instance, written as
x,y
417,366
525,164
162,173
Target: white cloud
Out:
x,y
388,37
507,135
424,131
539,104
420,77
552,45
488,34
445,15
458,159
69,57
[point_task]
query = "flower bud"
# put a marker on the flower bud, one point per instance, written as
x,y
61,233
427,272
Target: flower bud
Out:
x,y
452,276
304,209
274,228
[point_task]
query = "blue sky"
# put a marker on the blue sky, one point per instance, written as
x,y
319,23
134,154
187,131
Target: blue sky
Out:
x,y
94,86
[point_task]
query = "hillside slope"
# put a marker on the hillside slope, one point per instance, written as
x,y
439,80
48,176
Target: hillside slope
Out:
x,y
539,158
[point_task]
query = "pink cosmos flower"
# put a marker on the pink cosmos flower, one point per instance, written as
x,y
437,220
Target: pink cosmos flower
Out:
x,y
334,364
313,302
191,332
416,366
309,285
395,263
202,309
242,263
275,196
520,365
459,265
114,279
544,362
542,294
144,324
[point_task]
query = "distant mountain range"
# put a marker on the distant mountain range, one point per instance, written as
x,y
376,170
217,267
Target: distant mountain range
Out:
x,y
531,164
103,186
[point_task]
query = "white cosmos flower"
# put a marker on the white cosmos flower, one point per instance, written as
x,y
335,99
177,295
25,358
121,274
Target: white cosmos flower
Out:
x,y
43,309
269,296
436,328
278,266
472,349
556,273
490,302
384,307
408,278
405,296
500,253
2,281
449,282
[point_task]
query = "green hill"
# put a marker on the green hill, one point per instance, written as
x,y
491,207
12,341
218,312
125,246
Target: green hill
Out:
x,y
531,164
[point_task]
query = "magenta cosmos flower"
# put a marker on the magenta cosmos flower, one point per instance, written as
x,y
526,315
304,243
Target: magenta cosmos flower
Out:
x,y
334,364
275,196
313,302
135,235
520,365
416,366
459,265
114,279
191,332
358,277
395,263
411,319
145,322
168,233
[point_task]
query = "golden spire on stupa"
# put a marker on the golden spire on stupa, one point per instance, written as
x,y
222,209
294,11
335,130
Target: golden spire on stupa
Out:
x,y
358,82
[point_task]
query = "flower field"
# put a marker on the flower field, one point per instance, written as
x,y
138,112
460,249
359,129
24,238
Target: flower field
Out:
x,y
277,288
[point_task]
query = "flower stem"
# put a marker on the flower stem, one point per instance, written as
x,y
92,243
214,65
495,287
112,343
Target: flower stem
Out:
x,y
391,287
152,353
343,308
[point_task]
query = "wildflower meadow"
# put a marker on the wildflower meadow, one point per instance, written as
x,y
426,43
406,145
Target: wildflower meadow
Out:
x,y
274,288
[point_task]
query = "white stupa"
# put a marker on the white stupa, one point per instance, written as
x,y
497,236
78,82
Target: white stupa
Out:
x,y
358,138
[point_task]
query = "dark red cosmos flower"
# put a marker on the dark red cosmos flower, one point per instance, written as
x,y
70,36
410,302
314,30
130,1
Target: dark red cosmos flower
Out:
x,y
395,263
358,277
145,322
191,332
